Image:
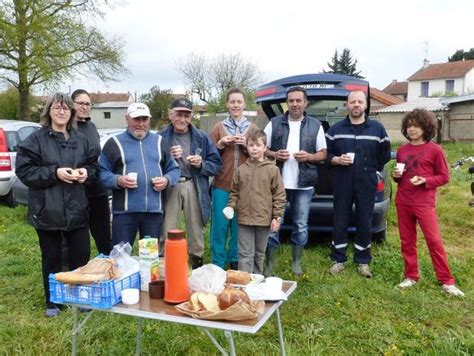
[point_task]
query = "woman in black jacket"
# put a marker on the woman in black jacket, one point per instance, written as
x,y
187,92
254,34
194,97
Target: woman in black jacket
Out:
x,y
99,217
55,162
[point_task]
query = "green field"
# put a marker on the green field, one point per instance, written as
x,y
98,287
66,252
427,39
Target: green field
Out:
x,y
340,315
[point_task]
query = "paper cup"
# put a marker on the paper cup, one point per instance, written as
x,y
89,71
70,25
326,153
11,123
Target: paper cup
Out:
x,y
228,212
130,296
351,155
274,283
133,176
400,167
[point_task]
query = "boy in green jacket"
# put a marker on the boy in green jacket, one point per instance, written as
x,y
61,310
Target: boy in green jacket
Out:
x,y
258,195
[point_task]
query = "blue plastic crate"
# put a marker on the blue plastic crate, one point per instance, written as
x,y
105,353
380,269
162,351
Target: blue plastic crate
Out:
x,y
98,295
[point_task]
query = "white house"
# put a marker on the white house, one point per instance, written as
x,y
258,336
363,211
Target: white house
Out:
x,y
110,114
442,79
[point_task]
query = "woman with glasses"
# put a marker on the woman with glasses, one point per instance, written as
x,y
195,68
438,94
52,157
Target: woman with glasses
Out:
x,y
55,162
99,213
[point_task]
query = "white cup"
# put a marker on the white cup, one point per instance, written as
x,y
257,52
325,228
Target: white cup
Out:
x,y
132,176
228,212
176,151
400,167
130,296
351,156
274,283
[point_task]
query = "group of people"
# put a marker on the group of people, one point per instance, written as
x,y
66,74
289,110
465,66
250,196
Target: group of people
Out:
x,y
239,176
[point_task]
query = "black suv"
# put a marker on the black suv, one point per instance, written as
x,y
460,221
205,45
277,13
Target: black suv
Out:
x,y
327,94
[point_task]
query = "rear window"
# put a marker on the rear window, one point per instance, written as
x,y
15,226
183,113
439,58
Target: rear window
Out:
x,y
324,110
16,137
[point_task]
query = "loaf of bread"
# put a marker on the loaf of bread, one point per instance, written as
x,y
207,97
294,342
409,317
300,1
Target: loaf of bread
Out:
x,y
230,295
201,301
96,270
237,277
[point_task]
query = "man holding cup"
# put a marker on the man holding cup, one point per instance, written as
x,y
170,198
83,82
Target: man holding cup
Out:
x,y
358,149
296,141
198,160
137,167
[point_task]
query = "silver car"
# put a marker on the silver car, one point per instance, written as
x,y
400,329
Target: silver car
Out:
x,y
12,132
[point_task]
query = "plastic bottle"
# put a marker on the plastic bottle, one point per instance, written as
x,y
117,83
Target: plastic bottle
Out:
x,y
176,273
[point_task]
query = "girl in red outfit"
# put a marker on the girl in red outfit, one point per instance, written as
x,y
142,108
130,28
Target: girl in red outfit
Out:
x,y
425,170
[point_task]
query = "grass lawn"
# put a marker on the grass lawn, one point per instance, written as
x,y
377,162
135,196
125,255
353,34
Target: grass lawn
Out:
x,y
338,315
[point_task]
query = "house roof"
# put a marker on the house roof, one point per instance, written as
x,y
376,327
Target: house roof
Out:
x,y
384,98
108,97
395,88
457,99
443,70
430,104
112,105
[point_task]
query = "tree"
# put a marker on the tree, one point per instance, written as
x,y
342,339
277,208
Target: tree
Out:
x,y
159,102
210,78
43,42
9,104
343,64
460,55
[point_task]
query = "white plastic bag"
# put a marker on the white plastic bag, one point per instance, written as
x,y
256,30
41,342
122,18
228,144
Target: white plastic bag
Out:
x,y
208,278
125,262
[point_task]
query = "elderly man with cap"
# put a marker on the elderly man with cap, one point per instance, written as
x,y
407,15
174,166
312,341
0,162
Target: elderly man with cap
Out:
x,y
198,159
137,167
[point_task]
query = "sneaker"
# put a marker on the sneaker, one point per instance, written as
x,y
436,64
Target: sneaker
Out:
x,y
337,267
407,283
452,289
52,312
364,270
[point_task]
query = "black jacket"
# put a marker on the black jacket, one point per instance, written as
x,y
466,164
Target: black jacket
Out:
x,y
54,204
308,171
88,129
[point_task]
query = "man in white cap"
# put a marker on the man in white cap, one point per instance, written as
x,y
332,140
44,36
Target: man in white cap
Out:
x,y
135,165
198,159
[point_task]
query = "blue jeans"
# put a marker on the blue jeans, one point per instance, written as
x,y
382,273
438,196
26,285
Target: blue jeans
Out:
x,y
223,249
298,204
125,226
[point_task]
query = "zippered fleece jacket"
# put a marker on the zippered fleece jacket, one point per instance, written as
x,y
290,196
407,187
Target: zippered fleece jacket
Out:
x,y
257,194
123,154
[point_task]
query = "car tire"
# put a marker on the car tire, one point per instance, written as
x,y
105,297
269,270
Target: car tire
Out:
x,y
379,237
9,199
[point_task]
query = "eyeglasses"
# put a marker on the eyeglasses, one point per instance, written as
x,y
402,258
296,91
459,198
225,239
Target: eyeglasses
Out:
x,y
59,108
82,103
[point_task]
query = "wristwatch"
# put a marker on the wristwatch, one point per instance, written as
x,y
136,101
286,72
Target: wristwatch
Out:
x,y
278,220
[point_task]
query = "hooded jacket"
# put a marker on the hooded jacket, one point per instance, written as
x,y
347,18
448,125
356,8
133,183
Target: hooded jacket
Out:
x,y
52,203
257,193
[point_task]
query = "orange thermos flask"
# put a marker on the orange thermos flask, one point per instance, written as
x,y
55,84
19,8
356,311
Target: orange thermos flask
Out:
x,y
176,272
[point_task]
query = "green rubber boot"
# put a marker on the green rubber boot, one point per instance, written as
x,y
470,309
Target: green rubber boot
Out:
x,y
270,256
296,255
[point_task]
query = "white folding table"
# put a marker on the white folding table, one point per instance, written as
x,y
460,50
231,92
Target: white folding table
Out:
x,y
159,310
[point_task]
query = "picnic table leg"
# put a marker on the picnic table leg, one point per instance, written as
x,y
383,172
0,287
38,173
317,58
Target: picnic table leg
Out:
x,y
75,331
139,337
229,336
280,333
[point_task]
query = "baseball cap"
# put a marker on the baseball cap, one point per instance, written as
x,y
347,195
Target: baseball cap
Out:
x,y
137,110
182,105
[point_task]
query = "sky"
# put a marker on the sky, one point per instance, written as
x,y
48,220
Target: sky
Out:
x,y
389,39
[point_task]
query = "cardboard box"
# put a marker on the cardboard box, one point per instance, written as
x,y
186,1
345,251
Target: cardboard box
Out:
x,y
149,271
148,248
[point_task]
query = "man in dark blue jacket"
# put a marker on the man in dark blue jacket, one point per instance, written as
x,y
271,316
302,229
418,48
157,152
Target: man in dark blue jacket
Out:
x,y
137,167
358,148
198,160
